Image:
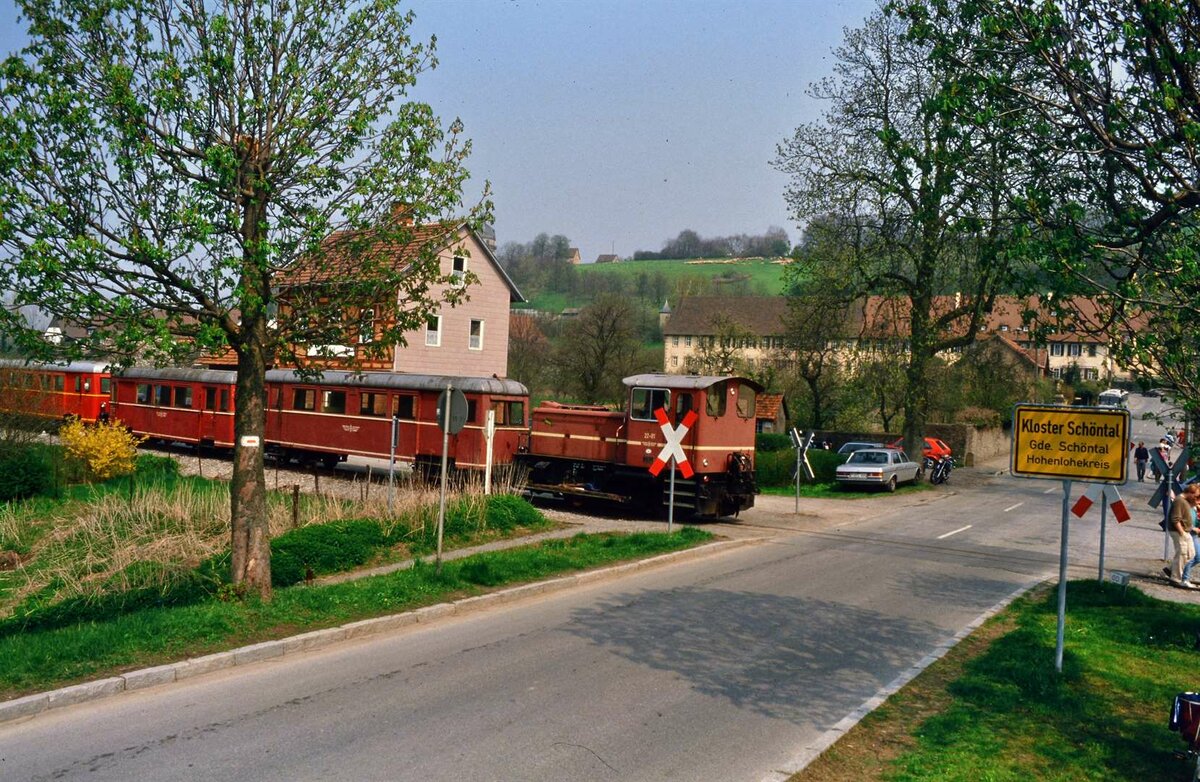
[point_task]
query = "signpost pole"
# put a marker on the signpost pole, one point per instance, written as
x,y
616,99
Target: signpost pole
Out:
x,y
445,451
671,502
1062,578
798,456
489,435
392,463
1103,522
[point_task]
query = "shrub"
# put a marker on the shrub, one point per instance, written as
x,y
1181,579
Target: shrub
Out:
x,y
325,548
765,442
103,451
156,468
26,470
508,511
777,468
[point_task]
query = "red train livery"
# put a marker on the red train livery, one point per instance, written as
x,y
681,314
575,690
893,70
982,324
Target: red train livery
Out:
x,y
328,419
577,452
54,391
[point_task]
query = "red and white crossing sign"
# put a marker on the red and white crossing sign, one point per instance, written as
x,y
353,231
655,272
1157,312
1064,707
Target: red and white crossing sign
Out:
x,y
1099,492
673,449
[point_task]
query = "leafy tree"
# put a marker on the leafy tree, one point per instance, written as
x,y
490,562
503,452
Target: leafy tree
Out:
x,y
528,351
915,187
598,349
723,353
163,163
1111,125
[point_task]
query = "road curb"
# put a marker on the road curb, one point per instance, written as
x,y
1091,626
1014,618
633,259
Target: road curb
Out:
x,y
827,739
32,705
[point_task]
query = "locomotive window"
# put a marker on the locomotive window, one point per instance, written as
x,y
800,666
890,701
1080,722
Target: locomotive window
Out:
x,y
745,402
162,396
683,403
210,398
333,402
516,413
644,401
143,394
714,404
105,384
304,399
183,396
372,404
471,408
405,407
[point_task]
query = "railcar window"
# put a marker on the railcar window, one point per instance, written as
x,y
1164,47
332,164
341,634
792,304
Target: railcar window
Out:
x,y
78,384
745,401
105,384
59,381
210,398
162,396
405,407
644,401
304,399
333,402
183,396
143,393
714,403
224,400
370,403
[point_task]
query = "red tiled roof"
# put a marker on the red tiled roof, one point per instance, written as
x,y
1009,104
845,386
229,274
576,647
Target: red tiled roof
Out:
x,y
342,253
767,406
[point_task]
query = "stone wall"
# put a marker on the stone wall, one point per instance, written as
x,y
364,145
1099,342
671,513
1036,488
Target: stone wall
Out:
x,y
967,443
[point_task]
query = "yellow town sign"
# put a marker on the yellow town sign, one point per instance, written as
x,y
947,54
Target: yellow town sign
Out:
x,y
1081,443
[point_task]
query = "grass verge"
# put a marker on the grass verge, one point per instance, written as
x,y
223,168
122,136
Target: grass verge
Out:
x,y
41,659
995,709
838,492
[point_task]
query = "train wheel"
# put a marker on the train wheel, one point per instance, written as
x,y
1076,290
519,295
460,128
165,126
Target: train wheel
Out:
x,y
330,460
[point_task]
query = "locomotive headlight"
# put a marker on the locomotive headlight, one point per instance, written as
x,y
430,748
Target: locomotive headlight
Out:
x,y
647,451
704,462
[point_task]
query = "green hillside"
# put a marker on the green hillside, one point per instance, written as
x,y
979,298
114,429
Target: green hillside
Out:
x,y
649,279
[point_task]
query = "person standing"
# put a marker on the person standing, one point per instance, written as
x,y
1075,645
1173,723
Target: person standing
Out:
x,y
1195,560
1182,520
1140,456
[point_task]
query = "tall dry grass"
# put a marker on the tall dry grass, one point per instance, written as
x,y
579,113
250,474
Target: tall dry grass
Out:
x,y
152,535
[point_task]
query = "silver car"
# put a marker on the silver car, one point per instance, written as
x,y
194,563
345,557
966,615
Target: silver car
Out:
x,y
886,467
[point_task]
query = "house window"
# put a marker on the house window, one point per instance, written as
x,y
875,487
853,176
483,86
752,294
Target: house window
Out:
x,y
1074,349
1056,348
433,331
1092,350
674,342
366,327
674,361
459,267
1004,327
687,341
475,341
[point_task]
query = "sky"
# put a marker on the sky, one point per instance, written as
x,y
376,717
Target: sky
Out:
x,y
620,123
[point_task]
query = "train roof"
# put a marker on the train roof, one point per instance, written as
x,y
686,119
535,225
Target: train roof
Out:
x,y
398,380
687,382
188,374
404,381
42,366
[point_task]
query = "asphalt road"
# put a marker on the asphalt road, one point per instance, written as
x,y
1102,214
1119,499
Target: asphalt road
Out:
x,y
724,668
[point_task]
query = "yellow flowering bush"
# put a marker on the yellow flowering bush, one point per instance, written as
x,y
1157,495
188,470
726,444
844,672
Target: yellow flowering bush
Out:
x,y
102,450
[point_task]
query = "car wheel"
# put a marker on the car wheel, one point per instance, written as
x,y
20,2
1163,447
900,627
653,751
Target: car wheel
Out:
x,y
891,484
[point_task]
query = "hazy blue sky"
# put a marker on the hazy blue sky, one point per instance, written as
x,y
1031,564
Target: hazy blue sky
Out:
x,y
619,123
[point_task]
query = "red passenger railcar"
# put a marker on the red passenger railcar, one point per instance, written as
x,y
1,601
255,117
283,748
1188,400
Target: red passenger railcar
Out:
x,y
327,419
54,391
345,413
578,452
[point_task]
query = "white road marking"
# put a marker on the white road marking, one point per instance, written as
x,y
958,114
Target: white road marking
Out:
x,y
955,532
1011,507
1051,490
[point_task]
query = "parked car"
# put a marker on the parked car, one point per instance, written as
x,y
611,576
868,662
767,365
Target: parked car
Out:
x,y
932,448
850,448
886,467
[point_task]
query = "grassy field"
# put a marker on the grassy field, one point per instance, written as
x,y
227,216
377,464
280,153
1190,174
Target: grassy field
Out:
x,y
995,709
36,660
736,277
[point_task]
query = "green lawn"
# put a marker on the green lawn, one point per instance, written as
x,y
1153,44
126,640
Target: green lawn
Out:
x,y
995,709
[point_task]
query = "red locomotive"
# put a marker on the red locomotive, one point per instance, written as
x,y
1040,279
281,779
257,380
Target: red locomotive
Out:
x,y
54,391
325,420
580,452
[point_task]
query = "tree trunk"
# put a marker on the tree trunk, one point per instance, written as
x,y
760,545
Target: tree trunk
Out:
x,y
248,488
916,395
